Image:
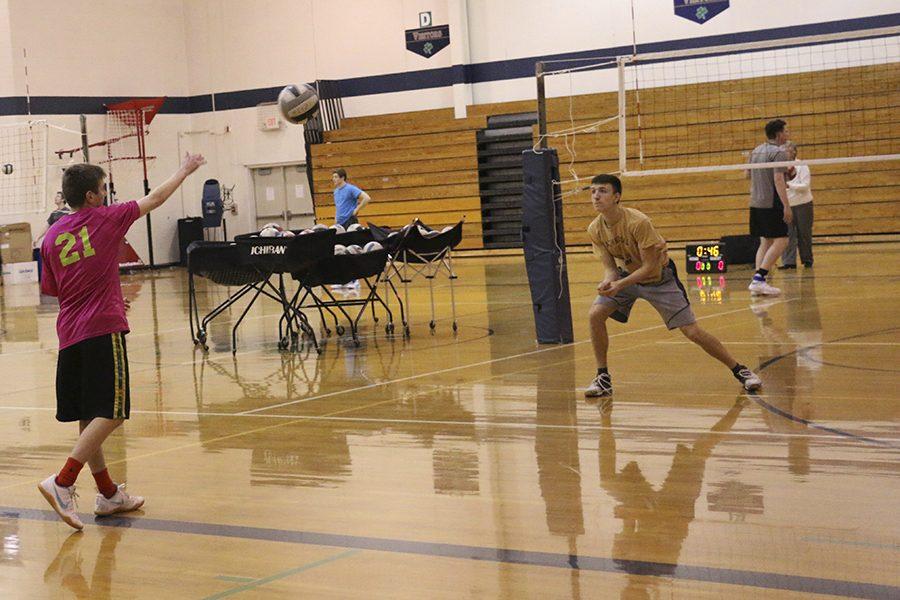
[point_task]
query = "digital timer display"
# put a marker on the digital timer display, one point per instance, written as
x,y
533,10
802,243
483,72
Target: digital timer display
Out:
x,y
705,258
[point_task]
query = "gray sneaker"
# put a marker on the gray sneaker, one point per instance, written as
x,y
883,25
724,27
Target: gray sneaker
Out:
x,y
601,386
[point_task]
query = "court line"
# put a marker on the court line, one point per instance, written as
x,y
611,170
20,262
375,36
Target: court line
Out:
x,y
218,439
788,343
492,424
483,363
707,574
792,417
821,540
258,582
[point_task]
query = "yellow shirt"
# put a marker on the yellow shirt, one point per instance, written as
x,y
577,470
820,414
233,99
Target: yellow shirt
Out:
x,y
624,240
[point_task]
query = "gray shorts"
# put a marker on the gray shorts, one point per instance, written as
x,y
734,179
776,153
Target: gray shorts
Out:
x,y
667,297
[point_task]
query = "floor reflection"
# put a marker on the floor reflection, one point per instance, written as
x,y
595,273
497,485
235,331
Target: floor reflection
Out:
x,y
314,452
793,354
655,522
66,571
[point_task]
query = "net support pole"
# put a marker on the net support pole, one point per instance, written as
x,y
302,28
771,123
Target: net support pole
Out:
x,y
142,149
85,147
622,125
541,105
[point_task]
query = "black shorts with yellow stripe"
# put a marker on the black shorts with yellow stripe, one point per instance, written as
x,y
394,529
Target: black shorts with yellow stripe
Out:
x,y
92,379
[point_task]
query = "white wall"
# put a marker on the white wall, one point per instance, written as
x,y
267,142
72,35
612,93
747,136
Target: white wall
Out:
x,y
98,48
181,48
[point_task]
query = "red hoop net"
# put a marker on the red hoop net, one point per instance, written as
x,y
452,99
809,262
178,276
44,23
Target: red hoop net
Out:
x,y
126,142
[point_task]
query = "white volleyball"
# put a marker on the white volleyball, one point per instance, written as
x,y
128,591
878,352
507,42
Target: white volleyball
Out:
x,y
298,102
340,249
354,249
372,247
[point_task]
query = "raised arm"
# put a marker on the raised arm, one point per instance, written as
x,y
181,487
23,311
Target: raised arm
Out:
x,y
157,197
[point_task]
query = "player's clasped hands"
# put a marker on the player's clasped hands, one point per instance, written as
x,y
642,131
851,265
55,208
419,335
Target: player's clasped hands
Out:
x,y
608,288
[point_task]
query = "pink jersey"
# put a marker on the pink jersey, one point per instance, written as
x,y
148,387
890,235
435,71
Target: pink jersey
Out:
x,y
81,267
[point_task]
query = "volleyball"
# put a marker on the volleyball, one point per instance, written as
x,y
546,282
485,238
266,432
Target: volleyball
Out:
x,y
7,169
298,103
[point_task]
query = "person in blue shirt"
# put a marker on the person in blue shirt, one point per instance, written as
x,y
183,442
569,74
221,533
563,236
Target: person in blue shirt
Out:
x,y
348,199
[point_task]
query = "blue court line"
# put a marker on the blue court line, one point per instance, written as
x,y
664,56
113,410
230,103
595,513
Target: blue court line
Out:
x,y
792,417
718,575
258,582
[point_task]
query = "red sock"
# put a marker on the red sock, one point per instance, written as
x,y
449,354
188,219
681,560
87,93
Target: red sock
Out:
x,y
69,473
105,484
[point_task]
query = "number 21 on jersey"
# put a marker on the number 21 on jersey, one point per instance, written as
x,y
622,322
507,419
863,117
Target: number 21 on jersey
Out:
x,y
68,255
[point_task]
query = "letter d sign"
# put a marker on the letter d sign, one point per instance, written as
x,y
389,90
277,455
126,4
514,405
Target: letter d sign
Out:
x,y
425,19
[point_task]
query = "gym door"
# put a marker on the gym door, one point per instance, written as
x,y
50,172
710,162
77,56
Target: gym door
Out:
x,y
282,195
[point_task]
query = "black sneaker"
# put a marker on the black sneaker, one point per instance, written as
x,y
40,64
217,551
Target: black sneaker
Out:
x,y
784,267
601,386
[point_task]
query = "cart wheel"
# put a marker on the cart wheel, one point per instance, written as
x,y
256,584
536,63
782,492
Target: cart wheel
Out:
x,y
340,330
406,330
432,325
455,328
375,319
201,336
327,332
389,329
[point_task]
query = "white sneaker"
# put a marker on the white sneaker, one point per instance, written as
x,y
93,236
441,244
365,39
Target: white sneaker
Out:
x,y
119,503
62,499
761,288
601,386
749,379
353,285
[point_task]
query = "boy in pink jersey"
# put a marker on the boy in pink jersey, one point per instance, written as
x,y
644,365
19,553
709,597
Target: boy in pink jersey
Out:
x,y
80,257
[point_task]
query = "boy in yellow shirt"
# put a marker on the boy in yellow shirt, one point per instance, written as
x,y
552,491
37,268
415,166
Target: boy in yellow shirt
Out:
x,y
637,266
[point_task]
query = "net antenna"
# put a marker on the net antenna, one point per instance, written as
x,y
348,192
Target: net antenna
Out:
x,y
703,110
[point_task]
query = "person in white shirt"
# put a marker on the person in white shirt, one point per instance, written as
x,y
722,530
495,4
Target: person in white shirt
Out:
x,y
800,199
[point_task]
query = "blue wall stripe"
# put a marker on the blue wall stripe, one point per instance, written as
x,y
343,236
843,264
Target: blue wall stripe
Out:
x,y
757,579
435,78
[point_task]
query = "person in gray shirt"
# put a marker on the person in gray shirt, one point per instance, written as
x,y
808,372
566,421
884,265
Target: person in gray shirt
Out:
x,y
770,213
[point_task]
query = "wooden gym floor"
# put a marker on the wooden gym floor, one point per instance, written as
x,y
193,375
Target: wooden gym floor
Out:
x,y
471,466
